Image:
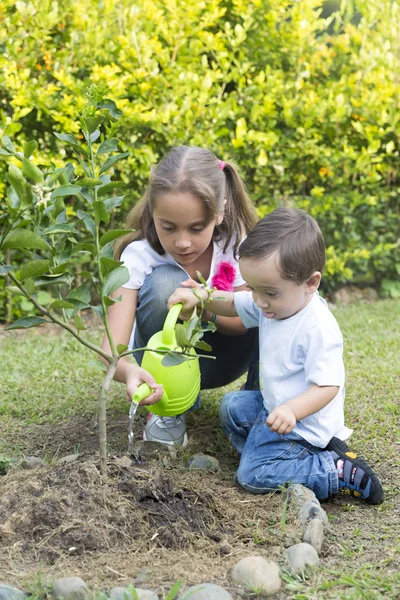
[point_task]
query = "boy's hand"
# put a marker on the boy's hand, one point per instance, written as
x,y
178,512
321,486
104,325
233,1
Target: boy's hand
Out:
x,y
138,376
282,419
188,300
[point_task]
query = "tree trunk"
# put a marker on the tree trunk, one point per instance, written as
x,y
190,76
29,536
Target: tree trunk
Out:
x,y
103,395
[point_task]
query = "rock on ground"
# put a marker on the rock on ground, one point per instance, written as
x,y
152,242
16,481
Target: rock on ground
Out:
x,y
70,588
205,591
300,556
258,575
7,592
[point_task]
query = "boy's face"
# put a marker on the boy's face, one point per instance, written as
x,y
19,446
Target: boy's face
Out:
x,y
278,298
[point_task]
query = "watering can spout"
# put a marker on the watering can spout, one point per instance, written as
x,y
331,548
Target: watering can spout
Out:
x,y
144,391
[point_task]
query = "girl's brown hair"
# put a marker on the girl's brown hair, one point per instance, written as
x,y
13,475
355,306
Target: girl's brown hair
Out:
x,y
198,171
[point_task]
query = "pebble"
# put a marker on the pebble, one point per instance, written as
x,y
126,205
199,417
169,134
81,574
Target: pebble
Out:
x,y
33,462
121,593
257,575
314,534
70,588
300,556
307,504
202,462
7,592
205,591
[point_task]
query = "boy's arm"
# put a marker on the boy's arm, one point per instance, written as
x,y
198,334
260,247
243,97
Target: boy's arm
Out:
x,y
284,417
225,307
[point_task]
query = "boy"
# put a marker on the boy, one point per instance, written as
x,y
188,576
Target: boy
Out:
x,y
292,429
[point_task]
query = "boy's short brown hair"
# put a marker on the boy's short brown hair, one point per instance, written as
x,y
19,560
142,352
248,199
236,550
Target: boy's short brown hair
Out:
x,y
297,238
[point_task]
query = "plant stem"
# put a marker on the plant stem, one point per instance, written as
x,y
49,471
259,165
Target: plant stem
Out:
x,y
103,395
53,318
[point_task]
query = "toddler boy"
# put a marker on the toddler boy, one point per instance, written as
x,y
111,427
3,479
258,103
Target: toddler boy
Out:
x,y
292,430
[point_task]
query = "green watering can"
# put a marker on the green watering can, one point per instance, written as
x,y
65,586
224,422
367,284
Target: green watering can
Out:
x,y
181,382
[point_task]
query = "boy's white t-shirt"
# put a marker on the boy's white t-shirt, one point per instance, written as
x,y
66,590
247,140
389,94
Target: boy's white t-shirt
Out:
x,y
140,259
296,353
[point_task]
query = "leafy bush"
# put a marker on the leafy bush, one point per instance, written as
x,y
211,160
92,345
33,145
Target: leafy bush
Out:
x,y
307,106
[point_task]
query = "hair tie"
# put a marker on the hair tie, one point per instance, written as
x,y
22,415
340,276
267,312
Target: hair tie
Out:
x,y
221,164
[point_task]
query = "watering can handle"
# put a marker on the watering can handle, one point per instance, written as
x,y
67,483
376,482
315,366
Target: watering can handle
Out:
x,y
168,331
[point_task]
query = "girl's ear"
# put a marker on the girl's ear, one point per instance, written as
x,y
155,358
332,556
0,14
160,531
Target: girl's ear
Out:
x,y
313,282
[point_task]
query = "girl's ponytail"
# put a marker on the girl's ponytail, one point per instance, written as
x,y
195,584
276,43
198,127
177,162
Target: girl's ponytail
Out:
x,y
240,216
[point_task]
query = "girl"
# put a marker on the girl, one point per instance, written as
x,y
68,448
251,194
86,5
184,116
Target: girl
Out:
x,y
192,217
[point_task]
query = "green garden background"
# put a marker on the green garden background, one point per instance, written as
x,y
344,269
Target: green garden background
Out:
x,y
303,96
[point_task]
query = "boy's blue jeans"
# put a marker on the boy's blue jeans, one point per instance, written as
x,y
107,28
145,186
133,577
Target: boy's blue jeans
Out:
x,y
232,353
268,459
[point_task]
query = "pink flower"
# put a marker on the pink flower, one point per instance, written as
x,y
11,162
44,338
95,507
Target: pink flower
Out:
x,y
224,277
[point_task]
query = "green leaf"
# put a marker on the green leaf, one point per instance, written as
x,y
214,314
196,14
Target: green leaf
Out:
x,y
111,106
4,269
59,229
14,290
201,278
4,152
66,278
110,187
191,325
115,279
90,225
94,136
180,334
100,212
81,293
203,346
33,269
8,145
89,182
92,124
111,235
112,160
122,348
108,264
113,202
24,238
110,145
172,359
65,190
61,304
66,137
78,323
29,148
26,322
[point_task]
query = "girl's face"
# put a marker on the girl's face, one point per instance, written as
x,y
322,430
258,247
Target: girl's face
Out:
x,y
182,226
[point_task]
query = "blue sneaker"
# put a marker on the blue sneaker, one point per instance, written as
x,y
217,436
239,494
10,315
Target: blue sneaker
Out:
x,y
355,475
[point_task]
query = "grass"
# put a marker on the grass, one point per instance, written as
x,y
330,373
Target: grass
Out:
x,y
51,379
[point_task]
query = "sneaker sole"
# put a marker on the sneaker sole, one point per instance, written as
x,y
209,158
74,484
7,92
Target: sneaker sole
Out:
x,y
344,452
165,443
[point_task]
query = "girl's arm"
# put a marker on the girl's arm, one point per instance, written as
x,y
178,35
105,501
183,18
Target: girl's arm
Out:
x,y
227,325
285,416
121,317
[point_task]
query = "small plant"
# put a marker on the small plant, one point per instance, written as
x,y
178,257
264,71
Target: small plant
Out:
x,y
52,235
5,464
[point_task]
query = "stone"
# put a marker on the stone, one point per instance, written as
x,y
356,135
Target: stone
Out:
x,y
306,503
70,588
314,534
300,556
33,462
202,462
205,591
257,575
311,510
7,592
67,459
121,593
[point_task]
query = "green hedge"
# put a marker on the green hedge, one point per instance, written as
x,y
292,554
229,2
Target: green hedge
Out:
x,y
308,107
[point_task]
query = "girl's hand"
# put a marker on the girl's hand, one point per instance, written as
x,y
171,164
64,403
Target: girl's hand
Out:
x,y
138,376
191,283
282,419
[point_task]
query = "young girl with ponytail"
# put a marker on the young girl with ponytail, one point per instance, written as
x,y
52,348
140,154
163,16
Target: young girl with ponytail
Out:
x,y
192,217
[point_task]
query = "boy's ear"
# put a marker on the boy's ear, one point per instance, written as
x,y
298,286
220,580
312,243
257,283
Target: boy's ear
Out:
x,y
313,282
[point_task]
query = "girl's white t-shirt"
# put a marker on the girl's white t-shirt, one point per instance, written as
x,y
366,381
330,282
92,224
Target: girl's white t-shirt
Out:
x,y
140,259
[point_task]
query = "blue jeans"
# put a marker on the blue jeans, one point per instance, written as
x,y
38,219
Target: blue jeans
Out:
x,y
268,459
232,353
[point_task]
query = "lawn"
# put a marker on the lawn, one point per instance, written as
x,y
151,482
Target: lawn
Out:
x,y
48,409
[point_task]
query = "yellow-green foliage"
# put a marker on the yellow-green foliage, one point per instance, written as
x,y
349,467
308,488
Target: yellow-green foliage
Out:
x,y
307,106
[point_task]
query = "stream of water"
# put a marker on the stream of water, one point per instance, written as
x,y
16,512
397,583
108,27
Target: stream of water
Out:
x,y
132,413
